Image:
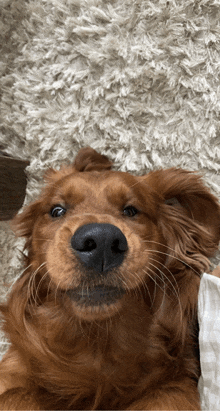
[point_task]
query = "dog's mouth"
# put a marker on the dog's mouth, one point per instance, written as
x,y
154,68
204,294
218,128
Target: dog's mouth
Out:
x,y
96,296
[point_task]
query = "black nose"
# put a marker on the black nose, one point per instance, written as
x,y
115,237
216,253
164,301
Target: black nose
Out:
x,y
100,246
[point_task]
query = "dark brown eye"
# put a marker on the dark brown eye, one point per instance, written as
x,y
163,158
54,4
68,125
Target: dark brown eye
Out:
x,y
130,211
57,211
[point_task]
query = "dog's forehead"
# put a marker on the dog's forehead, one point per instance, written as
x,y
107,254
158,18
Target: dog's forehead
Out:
x,y
85,184
99,180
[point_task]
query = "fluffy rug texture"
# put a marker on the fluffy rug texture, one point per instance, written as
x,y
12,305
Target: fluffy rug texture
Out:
x,y
137,80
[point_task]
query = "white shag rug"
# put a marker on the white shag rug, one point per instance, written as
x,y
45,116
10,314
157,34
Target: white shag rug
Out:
x,y
137,80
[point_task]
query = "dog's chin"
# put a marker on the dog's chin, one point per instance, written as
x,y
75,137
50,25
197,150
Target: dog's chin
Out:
x,y
96,303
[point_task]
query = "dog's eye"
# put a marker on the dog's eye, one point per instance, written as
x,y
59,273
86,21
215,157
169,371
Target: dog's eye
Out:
x,y
57,211
130,211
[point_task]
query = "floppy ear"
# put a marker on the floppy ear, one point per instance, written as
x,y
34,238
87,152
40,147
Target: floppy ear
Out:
x,y
23,223
189,216
88,159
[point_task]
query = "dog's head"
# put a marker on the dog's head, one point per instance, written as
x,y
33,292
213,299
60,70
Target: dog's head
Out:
x,y
99,235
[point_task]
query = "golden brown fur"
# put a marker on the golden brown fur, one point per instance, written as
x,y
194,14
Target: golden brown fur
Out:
x,y
88,337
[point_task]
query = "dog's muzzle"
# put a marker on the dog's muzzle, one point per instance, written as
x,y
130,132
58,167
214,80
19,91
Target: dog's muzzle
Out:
x,y
100,248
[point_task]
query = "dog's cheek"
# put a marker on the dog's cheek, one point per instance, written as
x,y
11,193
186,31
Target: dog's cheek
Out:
x,y
133,267
134,261
62,265
146,253
42,236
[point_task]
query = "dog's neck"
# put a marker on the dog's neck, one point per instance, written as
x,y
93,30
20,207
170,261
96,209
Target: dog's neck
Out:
x,y
107,351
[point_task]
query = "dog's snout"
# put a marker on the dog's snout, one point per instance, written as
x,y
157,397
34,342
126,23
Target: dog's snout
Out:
x,y
100,247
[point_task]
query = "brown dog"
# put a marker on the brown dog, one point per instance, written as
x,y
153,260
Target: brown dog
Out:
x,y
103,316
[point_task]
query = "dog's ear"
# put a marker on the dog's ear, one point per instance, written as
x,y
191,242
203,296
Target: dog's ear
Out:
x,y
23,225
189,215
88,159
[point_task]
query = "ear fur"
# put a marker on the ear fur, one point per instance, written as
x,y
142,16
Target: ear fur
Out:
x,y
189,215
88,160
23,224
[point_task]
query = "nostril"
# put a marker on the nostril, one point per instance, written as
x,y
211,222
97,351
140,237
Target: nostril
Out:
x,y
89,245
83,245
117,247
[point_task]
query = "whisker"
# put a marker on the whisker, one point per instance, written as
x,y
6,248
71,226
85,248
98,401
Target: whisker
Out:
x,y
16,278
31,283
142,282
168,255
44,239
175,292
155,287
48,287
56,291
41,280
86,335
164,275
135,275
156,284
152,278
